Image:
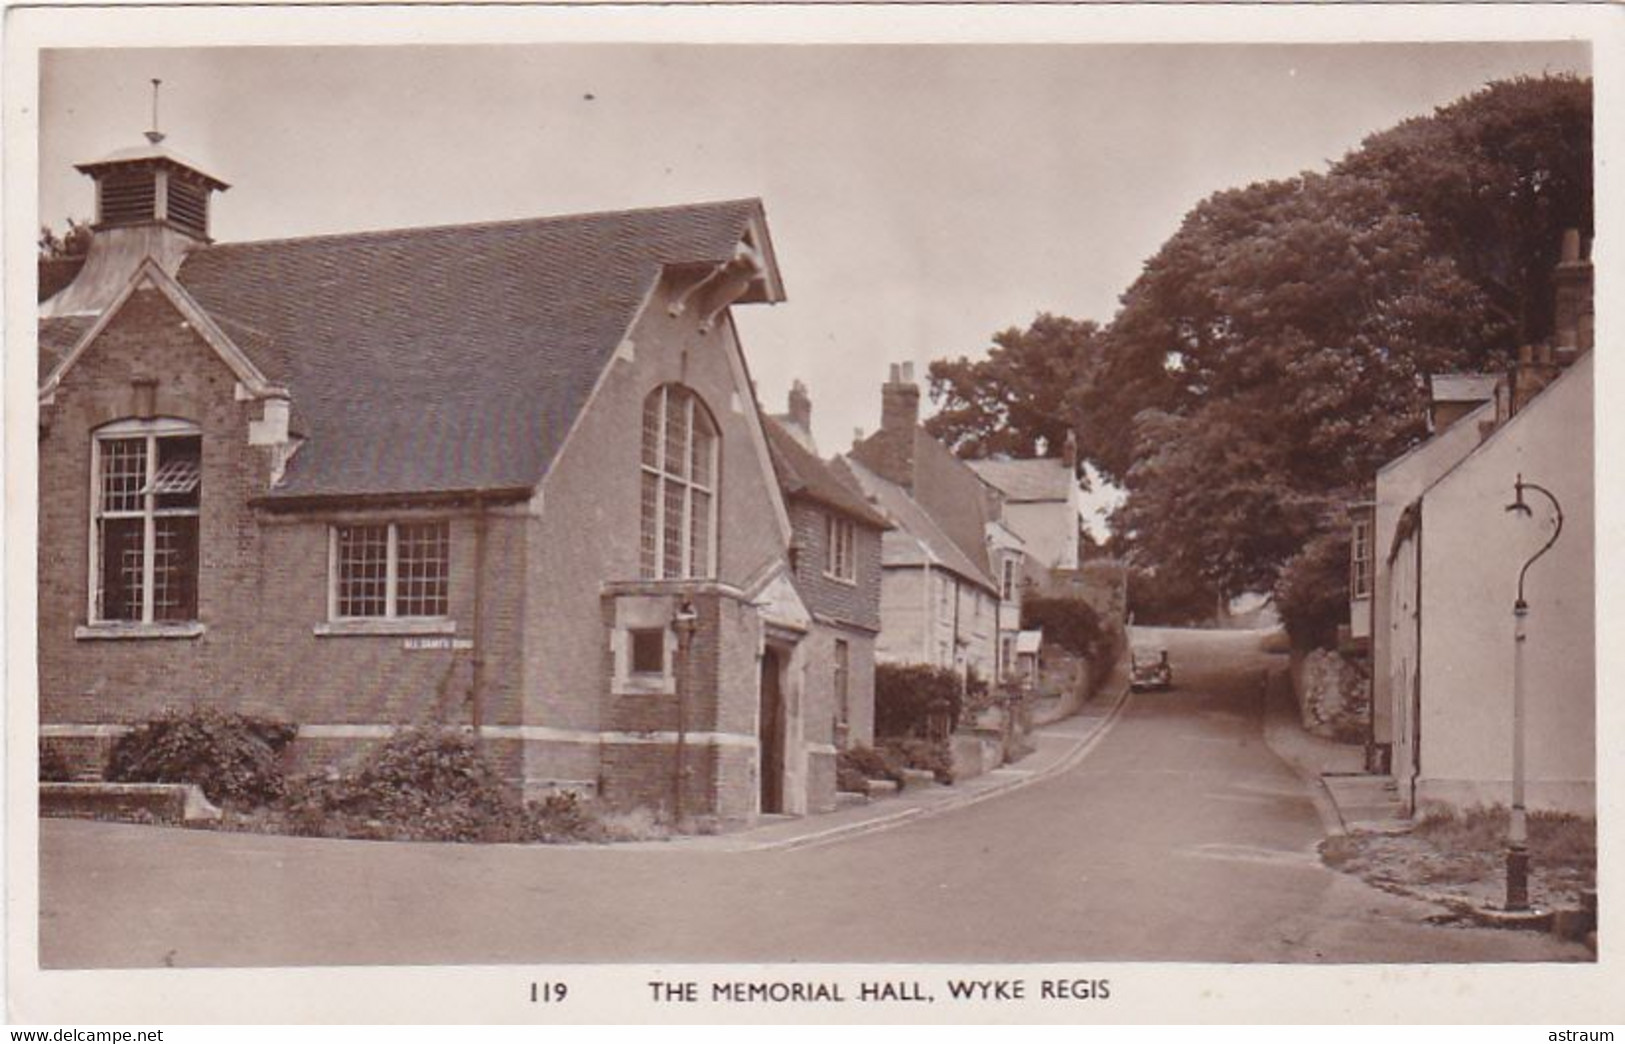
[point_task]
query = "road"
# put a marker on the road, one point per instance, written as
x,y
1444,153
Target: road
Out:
x,y
1180,837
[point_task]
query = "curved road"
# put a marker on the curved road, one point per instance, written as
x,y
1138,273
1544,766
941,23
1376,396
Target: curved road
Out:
x,y
1181,837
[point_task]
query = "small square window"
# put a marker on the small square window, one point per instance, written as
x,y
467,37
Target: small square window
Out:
x,y
648,651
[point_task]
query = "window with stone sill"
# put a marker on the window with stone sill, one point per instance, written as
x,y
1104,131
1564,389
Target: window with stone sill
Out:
x,y
390,571
146,501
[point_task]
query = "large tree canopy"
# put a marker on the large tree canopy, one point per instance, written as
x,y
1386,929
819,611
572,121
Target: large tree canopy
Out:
x,y
1274,352
1013,401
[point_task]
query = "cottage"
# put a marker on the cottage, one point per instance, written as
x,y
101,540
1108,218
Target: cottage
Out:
x,y
940,597
1436,564
508,475
836,569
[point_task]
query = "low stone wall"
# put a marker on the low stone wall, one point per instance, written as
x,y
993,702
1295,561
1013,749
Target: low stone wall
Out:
x,y
976,751
1333,693
163,802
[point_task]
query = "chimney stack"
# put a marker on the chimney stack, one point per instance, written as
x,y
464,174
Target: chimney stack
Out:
x,y
900,401
889,452
1573,316
800,406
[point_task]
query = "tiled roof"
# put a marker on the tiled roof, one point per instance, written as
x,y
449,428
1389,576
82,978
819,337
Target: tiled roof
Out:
x,y
57,337
450,359
803,474
917,538
957,500
1026,480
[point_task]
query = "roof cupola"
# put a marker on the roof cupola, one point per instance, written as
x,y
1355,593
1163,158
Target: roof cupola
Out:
x,y
150,202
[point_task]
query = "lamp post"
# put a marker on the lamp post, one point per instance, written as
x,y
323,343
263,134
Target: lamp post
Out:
x,y
684,623
1518,832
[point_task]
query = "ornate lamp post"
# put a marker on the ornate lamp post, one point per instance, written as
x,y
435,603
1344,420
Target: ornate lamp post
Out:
x,y
1518,832
684,623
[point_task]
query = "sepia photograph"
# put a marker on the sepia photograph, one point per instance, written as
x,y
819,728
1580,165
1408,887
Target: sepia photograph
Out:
x,y
814,512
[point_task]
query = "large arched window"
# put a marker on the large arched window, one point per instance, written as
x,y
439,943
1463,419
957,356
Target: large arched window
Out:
x,y
679,476
144,503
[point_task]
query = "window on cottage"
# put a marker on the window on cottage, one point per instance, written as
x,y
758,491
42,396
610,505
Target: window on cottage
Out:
x,y
1360,564
679,477
146,499
392,569
1007,582
839,540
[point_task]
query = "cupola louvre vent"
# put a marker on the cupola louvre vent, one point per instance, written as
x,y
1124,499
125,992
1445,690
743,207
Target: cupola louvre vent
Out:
x,y
128,198
188,207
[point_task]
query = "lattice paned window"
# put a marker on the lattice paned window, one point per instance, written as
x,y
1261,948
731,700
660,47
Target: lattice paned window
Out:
x,y
392,570
679,486
839,538
146,497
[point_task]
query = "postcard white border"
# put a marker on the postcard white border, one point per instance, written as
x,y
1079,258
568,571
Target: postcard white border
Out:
x,y
1159,993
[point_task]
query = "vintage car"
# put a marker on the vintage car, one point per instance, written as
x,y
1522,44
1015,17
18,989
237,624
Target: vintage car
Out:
x,y
1149,668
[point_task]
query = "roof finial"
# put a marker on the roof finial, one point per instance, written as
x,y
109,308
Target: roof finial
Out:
x,y
155,135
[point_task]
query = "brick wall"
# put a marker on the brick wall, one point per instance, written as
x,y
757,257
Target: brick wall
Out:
x,y
857,602
262,586
263,578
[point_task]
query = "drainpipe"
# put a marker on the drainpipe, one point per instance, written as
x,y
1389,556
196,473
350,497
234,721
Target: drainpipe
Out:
x,y
476,694
684,623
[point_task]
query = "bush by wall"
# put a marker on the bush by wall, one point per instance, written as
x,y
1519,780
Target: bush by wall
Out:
x,y
429,783
232,757
927,755
1312,593
1070,623
864,763
916,700
53,767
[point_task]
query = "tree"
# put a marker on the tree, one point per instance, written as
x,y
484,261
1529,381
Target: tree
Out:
x,y
1275,351
1495,177
1295,323
75,242
1013,401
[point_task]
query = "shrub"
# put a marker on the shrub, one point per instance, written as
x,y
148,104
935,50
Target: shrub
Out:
x,y
53,767
1312,592
561,817
427,782
850,780
931,756
916,700
865,763
1070,623
232,757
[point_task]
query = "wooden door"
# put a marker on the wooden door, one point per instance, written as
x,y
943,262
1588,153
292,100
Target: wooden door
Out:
x,y
770,732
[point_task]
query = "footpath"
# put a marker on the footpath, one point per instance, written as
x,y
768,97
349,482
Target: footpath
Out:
x,y
1353,801
1057,747
1346,796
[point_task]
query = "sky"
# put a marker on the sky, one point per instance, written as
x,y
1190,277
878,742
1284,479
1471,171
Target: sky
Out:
x,y
919,198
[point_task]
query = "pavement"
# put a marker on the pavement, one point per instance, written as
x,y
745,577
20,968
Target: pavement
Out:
x,y
1345,794
1056,747
1165,829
